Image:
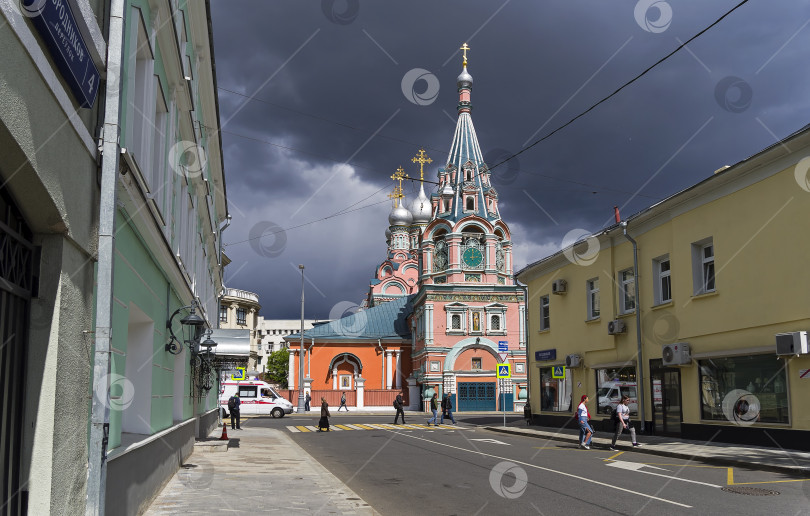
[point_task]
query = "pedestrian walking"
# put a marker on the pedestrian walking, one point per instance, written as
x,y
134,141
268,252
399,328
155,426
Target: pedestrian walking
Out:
x,y
400,409
447,409
435,408
585,428
233,407
343,402
306,402
324,421
527,412
621,418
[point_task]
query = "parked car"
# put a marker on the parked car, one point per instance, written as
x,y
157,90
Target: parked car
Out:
x,y
257,397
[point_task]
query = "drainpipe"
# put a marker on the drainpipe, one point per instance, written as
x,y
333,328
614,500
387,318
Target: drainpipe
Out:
x,y
110,155
382,363
640,368
526,336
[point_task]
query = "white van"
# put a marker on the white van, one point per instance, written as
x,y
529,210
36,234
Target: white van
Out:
x,y
257,397
610,394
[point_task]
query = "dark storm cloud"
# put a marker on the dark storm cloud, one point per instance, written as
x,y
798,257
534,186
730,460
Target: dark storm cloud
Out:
x,y
333,92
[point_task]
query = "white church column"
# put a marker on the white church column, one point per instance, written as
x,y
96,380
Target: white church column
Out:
x,y
334,378
388,368
428,325
360,382
291,370
398,377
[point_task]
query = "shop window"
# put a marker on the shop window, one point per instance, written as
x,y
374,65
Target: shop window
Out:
x,y
744,390
612,384
627,292
555,393
545,317
593,298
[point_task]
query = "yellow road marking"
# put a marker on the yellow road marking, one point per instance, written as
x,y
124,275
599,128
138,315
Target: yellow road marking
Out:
x,y
614,456
303,428
366,427
731,481
343,427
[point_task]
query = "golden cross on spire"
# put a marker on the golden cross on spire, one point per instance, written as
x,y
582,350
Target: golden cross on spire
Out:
x,y
399,175
421,158
465,48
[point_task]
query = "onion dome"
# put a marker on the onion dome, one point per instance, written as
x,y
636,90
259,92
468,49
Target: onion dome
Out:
x,y
464,80
400,216
421,209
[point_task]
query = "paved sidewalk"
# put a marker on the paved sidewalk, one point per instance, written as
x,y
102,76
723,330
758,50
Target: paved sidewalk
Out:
x,y
790,462
263,471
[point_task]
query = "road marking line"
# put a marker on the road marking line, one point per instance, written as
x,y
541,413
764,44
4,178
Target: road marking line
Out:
x,y
309,428
571,475
343,427
635,466
356,427
731,481
335,428
293,429
364,427
614,456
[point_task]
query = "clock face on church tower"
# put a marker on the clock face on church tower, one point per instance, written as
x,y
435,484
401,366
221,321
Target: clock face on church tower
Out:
x,y
472,257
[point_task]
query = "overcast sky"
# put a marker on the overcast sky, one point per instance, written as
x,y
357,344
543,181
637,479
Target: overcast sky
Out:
x,y
344,92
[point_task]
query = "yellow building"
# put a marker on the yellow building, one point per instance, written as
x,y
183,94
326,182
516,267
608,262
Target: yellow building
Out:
x,y
722,268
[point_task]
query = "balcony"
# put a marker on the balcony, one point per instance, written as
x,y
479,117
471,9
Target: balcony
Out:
x,y
242,294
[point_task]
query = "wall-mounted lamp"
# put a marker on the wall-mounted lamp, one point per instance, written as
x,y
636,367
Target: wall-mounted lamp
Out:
x,y
191,330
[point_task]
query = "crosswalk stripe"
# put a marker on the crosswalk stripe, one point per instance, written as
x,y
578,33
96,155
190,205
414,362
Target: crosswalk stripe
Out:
x,y
344,427
412,427
310,428
336,428
376,426
355,427
364,427
293,429
300,428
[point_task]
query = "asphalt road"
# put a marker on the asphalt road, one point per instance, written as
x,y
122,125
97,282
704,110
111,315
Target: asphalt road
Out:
x,y
467,470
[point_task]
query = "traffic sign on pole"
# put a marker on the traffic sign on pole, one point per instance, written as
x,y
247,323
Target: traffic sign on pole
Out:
x,y
504,371
502,356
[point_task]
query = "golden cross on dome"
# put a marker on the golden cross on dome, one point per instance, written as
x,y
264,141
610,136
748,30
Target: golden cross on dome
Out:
x,y
399,175
465,48
421,158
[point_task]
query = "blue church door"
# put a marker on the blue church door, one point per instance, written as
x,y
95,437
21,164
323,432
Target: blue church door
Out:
x,y
474,396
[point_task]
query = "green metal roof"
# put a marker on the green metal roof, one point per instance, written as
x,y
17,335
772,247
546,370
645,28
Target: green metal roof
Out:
x,y
383,321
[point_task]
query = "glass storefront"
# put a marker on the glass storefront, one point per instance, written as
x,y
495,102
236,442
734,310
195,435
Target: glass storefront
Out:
x,y
744,390
613,383
555,393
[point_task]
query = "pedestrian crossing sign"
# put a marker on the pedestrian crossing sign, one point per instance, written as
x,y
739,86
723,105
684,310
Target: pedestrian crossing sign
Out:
x,y
504,371
239,374
558,371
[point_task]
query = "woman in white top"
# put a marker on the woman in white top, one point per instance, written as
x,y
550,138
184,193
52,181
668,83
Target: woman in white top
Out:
x,y
622,422
585,429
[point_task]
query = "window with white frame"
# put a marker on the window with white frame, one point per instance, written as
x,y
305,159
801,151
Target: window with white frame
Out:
x,y
593,298
495,322
703,280
223,313
140,93
241,316
159,185
456,321
627,291
545,316
662,286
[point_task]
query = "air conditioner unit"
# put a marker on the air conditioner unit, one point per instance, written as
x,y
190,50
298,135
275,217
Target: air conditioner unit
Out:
x,y
573,361
676,354
616,326
559,286
793,343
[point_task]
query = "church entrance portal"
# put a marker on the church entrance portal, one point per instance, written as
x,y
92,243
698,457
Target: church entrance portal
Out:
x,y
473,396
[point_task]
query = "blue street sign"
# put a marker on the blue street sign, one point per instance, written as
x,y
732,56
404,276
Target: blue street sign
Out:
x,y
545,355
558,372
56,25
504,371
503,346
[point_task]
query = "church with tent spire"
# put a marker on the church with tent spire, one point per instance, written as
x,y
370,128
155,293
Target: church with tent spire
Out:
x,y
443,308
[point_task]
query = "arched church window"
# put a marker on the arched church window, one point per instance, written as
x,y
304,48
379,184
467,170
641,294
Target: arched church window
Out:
x,y
440,258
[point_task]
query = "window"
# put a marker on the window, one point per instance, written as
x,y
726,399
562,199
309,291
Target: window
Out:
x,y
223,313
476,363
259,346
627,293
703,267
470,204
246,391
435,366
545,319
613,383
555,393
456,318
663,282
520,367
744,390
495,323
593,298
241,316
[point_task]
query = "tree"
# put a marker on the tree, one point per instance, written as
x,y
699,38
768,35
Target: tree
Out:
x,y
277,363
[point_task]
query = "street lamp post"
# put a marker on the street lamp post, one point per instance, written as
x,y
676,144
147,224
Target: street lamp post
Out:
x,y
301,352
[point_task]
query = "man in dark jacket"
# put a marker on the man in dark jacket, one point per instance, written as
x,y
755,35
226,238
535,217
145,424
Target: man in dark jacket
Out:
x,y
400,409
306,402
434,407
233,407
447,409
